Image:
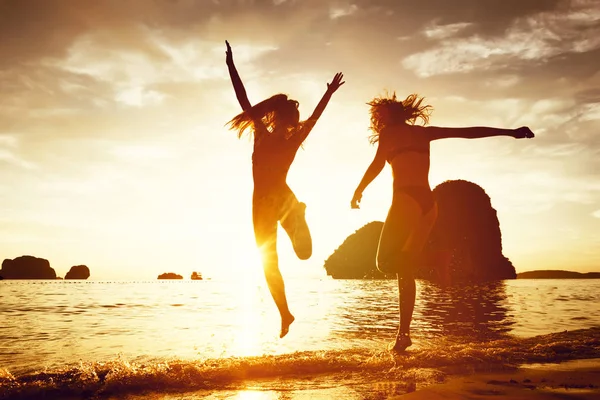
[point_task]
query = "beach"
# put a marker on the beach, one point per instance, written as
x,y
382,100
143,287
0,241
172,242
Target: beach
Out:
x,y
575,379
569,380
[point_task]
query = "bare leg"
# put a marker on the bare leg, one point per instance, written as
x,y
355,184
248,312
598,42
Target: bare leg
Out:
x,y
276,285
294,223
406,296
265,230
403,237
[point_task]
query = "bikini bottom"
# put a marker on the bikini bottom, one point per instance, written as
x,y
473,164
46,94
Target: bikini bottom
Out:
x,y
421,194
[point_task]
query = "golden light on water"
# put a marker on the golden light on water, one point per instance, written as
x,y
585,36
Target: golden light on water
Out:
x,y
249,338
255,395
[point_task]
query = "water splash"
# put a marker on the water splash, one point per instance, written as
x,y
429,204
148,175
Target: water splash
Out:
x,y
428,364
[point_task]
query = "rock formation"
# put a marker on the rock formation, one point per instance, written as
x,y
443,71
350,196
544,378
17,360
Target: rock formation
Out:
x,y
468,227
27,267
467,230
355,258
170,275
78,272
196,276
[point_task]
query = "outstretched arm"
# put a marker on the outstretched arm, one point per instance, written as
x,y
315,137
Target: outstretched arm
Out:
x,y
312,120
240,91
372,172
435,132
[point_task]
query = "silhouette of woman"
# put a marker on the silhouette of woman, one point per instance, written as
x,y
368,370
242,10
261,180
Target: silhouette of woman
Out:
x,y
278,133
405,146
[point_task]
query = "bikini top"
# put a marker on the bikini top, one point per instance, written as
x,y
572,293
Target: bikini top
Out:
x,y
397,151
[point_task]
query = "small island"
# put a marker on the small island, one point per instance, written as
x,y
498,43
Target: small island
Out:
x,y
170,275
196,276
78,272
27,267
557,274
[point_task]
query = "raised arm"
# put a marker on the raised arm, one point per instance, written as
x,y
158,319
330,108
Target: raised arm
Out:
x,y
435,132
312,120
372,172
240,91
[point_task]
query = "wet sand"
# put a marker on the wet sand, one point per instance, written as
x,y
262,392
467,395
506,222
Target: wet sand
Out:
x,y
576,379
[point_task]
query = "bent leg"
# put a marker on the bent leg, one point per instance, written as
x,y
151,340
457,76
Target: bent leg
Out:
x,y
265,232
294,224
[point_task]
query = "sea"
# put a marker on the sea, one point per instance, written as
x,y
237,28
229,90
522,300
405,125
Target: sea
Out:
x,y
218,339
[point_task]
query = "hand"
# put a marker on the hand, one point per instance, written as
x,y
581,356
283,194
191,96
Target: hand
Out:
x,y
355,200
335,83
523,132
228,53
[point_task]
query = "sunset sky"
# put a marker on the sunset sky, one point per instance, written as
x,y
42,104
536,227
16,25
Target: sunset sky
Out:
x,y
114,153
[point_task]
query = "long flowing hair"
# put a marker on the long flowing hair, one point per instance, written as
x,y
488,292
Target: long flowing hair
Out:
x,y
389,111
276,112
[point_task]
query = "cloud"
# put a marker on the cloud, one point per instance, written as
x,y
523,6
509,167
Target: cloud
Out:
x,y
436,31
535,38
11,158
342,11
9,152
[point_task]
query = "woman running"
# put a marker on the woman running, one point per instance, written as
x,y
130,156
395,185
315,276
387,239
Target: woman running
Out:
x,y
405,146
278,133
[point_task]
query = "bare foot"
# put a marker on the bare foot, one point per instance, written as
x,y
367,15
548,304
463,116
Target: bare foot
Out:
x,y
400,344
285,325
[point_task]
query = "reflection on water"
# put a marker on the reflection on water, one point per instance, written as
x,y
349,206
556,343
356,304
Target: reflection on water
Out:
x,y
48,324
474,312
479,312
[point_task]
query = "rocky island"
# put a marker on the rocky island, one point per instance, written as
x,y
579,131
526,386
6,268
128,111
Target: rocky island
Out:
x,y
27,267
467,232
170,275
78,272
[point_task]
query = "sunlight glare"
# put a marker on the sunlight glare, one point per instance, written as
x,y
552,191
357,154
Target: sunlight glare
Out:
x,y
255,395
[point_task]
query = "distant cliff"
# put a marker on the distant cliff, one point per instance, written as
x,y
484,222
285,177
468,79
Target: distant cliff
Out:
x,y
467,230
27,267
169,275
557,274
78,272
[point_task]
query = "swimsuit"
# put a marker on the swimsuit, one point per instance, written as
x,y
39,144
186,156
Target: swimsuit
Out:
x,y
397,151
421,194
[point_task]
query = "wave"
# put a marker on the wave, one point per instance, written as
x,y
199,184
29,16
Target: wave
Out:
x,y
427,364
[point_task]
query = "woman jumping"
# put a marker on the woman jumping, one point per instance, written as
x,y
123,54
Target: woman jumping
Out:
x,y
405,146
278,133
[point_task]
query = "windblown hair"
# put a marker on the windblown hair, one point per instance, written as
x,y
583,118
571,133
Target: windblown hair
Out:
x,y
275,111
388,111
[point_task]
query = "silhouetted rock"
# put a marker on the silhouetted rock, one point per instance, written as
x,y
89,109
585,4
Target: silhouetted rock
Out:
x,y
557,274
170,275
196,276
78,272
27,267
468,227
355,258
467,230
